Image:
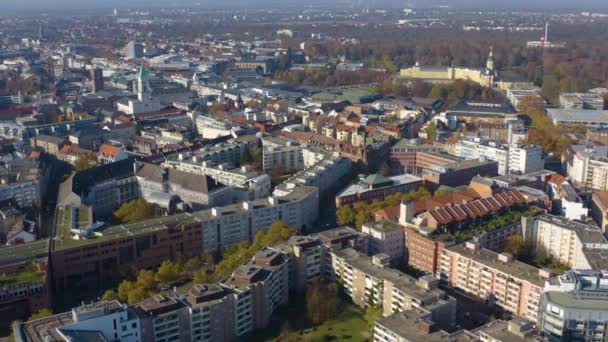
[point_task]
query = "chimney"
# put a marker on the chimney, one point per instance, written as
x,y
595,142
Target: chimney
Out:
x,y
471,245
545,273
406,212
425,326
505,257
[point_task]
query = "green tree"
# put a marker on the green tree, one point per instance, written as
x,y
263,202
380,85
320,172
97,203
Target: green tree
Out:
x,y
372,314
109,295
345,215
431,130
201,277
514,245
246,157
123,290
85,161
41,314
146,280
137,295
168,272
135,210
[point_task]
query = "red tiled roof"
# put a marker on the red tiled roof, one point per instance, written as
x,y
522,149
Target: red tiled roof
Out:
x,y
109,151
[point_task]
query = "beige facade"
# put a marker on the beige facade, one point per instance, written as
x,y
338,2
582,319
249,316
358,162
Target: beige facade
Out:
x,y
510,284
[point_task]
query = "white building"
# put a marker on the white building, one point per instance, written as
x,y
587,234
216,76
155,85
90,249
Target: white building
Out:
x,y
581,101
575,244
520,159
290,158
211,128
587,166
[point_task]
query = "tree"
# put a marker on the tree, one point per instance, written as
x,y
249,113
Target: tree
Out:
x,y
372,313
258,159
109,295
137,295
135,210
321,302
345,215
246,157
168,272
85,161
514,245
41,314
201,277
431,130
123,290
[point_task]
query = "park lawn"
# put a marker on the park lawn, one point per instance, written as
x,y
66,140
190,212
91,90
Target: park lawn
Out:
x,y
349,325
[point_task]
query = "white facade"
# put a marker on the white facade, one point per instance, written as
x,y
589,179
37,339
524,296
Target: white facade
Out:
x,y
385,237
511,159
116,324
210,128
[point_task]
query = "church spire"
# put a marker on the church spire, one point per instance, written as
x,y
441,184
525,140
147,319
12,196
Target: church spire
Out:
x,y
143,87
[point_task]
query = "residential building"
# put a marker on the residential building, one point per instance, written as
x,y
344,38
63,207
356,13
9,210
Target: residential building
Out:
x,y
369,281
587,166
307,260
50,144
212,128
134,50
327,174
574,307
567,201
519,159
163,319
497,278
377,187
288,158
597,135
109,154
578,245
599,210
225,226
385,237
403,158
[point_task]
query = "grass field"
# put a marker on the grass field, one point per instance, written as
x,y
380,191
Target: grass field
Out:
x,y
291,325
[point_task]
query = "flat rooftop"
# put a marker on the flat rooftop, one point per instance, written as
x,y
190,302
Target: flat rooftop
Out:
x,y
384,225
499,330
568,300
514,268
401,281
581,116
586,233
362,186
36,249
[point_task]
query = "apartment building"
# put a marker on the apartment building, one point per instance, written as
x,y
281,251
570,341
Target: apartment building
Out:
x,y
212,312
519,159
163,319
587,166
212,128
574,307
377,187
327,174
385,237
599,210
481,273
575,244
404,154
289,158
307,260
369,281
225,226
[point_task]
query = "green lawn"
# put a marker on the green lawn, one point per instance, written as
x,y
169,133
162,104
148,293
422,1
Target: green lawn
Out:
x,y
290,324
29,275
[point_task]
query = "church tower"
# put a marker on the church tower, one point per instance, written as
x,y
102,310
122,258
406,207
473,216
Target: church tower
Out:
x,y
490,60
143,86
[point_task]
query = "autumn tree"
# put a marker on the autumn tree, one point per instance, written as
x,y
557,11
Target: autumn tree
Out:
x,y
321,302
514,245
168,272
41,314
371,315
85,161
135,210
431,130
109,295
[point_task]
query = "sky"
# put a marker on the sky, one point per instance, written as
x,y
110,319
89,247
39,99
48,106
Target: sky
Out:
x,y
516,4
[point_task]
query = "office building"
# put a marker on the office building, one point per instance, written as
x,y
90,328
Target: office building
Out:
x,y
593,101
576,118
101,321
459,173
510,284
377,187
574,307
97,80
134,50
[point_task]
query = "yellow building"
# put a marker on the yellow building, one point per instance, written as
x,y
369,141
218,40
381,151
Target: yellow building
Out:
x,y
485,76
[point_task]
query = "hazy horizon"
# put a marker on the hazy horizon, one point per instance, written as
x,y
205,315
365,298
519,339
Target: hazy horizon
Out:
x,y
42,5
